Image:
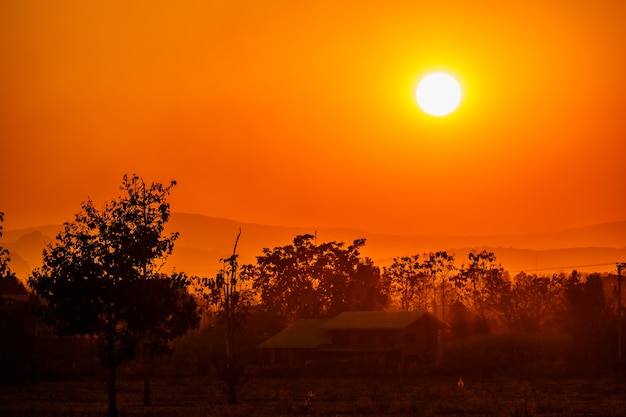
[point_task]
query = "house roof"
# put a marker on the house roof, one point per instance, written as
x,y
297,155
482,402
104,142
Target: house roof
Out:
x,y
354,320
302,334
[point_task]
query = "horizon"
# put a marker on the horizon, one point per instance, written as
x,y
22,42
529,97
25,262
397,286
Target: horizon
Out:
x,y
204,240
348,229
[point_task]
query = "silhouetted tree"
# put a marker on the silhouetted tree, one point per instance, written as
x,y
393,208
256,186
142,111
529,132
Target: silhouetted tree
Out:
x,y
464,323
346,280
587,318
408,282
15,331
229,296
5,270
9,283
309,280
287,281
480,282
528,301
368,290
101,277
439,266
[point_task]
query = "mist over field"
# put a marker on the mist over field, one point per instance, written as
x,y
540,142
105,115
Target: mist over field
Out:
x,y
204,240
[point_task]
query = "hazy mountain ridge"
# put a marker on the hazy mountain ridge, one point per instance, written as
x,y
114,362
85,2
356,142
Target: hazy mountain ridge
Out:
x,y
204,240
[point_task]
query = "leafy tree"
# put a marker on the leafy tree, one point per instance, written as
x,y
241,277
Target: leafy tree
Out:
x,y
439,266
408,282
587,318
229,296
310,280
16,338
102,277
9,283
528,301
368,290
287,281
347,281
480,282
5,271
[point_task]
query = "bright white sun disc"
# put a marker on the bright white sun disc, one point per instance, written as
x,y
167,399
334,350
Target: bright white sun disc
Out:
x,y
438,94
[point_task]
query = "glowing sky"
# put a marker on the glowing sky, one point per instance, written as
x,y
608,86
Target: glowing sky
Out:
x,y
303,112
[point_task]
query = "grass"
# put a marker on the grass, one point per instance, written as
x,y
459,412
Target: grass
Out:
x,y
418,396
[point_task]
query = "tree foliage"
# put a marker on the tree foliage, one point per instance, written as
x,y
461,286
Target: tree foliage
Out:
x,y
479,283
439,267
305,279
102,277
588,319
407,282
5,270
528,301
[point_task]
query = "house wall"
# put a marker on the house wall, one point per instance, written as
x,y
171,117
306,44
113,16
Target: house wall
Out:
x,y
367,338
414,344
417,340
292,358
420,340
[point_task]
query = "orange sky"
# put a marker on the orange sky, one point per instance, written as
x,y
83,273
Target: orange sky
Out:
x,y
303,112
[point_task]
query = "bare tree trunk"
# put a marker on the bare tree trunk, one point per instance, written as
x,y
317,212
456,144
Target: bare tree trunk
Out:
x,y
443,299
434,299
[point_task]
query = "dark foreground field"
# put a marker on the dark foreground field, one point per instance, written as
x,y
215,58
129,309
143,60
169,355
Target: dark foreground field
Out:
x,y
332,397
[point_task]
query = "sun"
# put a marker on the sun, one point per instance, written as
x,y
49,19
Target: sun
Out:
x,y
438,94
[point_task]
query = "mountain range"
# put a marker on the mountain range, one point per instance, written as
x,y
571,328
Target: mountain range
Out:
x,y
204,240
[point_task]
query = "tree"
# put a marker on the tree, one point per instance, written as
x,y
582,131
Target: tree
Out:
x,y
480,282
286,279
5,271
347,281
407,282
230,297
528,300
588,318
310,280
368,290
102,277
438,266
16,328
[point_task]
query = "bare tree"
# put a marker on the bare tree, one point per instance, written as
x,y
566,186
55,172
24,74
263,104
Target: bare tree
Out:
x,y
229,296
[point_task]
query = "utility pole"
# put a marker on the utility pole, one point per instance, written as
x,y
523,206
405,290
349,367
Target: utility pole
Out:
x,y
620,266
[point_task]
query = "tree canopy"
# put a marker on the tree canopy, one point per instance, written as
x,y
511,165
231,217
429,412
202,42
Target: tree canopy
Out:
x,y
102,277
306,279
5,270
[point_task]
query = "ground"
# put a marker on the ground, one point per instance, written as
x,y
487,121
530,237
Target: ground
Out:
x,y
422,396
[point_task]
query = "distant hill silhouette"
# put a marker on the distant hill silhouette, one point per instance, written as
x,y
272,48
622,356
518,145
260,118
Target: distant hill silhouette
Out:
x,y
204,240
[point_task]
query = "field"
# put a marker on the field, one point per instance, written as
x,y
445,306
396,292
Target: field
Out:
x,y
421,396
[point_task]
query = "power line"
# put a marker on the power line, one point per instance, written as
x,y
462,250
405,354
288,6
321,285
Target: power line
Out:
x,y
563,267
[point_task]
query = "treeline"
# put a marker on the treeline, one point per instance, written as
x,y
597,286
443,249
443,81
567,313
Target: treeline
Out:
x,y
310,280
102,283
569,318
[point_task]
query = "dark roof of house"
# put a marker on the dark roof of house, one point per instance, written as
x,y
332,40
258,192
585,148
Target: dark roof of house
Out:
x,y
302,334
370,320
313,333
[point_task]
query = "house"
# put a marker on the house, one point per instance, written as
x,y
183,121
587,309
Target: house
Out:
x,y
296,344
374,336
